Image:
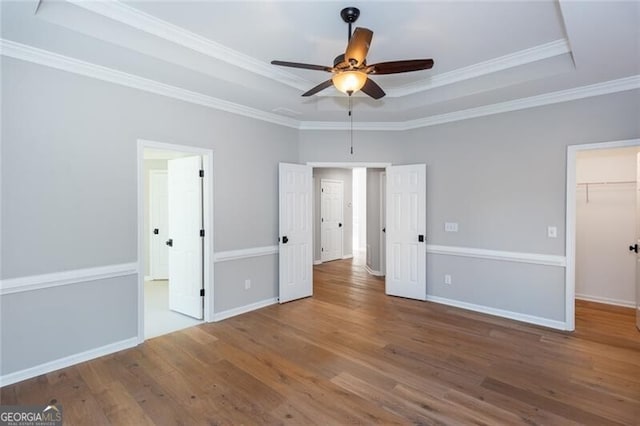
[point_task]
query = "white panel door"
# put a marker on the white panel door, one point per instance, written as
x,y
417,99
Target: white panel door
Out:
x,y
185,223
406,226
296,257
332,219
637,241
158,206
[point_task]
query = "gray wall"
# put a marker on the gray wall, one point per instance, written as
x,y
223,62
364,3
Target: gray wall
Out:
x,y
502,178
52,323
346,176
373,219
69,199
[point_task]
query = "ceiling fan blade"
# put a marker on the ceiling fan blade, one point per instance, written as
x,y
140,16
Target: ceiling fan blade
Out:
x,y
318,88
358,46
372,89
395,67
303,66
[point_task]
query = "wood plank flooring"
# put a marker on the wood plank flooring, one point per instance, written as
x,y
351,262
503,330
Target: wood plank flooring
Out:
x,y
351,355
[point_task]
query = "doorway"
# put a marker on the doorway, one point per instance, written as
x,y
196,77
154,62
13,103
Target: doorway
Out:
x,y
174,238
362,212
602,219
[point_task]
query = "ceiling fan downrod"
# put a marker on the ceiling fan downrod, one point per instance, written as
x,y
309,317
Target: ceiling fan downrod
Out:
x,y
350,15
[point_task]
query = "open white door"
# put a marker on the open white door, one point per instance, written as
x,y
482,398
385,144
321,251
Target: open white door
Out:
x,y
185,240
296,257
331,212
637,241
406,226
158,205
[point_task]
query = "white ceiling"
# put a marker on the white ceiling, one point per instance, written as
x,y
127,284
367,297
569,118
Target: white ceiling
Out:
x,y
485,53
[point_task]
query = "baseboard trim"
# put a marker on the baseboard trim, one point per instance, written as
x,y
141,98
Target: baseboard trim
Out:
x,y
347,256
531,319
148,278
55,279
68,361
606,300
317,262
372,272
508,256
225,256
244,309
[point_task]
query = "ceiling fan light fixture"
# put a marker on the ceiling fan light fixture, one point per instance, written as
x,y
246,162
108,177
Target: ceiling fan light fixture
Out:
x,y
349,82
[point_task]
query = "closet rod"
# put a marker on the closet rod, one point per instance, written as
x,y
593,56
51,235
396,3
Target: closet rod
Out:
x,y
586,185
606,183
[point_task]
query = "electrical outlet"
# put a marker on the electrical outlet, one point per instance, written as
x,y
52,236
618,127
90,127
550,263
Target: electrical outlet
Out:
x,y
451,226
447,279
552,232
247,284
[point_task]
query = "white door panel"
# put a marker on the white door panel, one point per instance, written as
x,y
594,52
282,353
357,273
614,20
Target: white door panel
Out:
x,y
638,241
158,211
405,231
185,222
332,219
296,257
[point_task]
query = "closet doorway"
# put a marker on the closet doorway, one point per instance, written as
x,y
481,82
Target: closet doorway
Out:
x,y
602,239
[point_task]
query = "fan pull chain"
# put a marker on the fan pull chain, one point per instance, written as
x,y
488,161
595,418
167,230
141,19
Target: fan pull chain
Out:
x,y
351,119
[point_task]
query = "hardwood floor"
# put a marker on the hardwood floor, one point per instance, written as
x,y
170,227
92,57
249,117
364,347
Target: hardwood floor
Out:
x,y
351,355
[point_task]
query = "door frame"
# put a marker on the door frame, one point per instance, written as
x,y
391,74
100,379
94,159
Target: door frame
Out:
x,y
322,217
207,206
570,224
152,190
383,214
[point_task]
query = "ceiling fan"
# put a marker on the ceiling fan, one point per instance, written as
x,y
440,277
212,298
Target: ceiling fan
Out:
x,y
350,70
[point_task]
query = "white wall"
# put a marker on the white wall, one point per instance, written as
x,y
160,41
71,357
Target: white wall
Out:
x,y
345,175
360,208
606,226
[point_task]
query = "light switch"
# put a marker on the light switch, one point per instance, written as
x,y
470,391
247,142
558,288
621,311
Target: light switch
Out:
x,y
451,227
552,232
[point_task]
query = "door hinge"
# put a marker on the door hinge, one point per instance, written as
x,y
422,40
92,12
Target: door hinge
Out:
x,y
201,173
322,249
202,292
202,232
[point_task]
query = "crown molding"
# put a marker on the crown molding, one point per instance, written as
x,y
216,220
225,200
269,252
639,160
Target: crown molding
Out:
x,y
54,60
522,57
598,89
345,125
43,57
135,18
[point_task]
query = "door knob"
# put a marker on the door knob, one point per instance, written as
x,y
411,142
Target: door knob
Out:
x,y
634,248
169,242
339,225
285,240
156,231
421,238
